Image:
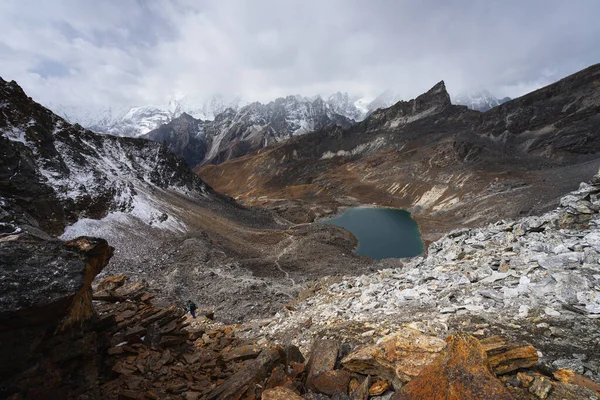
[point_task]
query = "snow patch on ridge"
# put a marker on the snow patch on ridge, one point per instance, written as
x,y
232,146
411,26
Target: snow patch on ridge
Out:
x,y
360,149
411,118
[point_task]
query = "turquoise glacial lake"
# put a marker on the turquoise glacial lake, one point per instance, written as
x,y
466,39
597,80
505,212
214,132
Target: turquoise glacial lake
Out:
x,y
381,232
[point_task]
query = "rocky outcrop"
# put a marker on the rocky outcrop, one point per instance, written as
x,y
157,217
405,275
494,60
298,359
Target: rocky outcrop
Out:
x,y
46,290
398,358
461,372
402,356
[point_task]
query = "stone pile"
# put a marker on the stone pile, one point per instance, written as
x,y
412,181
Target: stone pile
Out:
x,y
155,353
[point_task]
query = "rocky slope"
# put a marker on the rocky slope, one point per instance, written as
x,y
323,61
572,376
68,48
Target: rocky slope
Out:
x,y
531,280
450,166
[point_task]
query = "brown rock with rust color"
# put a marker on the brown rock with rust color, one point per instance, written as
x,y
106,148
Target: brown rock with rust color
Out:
x,y
568,376
526,379
323,357
255,371
278,378
398,357
332,382
362,391
379,387
296,369
242,353
460,372
280,393
504,357
112,282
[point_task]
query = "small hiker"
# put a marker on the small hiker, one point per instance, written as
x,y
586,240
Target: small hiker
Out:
x,y
191,308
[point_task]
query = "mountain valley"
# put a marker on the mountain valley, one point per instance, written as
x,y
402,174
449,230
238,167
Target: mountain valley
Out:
x,y
449,165
105,237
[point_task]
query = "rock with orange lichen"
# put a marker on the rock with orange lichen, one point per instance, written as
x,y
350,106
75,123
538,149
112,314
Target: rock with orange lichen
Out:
x,y
505,356
461,372
280,393
568,376
398,357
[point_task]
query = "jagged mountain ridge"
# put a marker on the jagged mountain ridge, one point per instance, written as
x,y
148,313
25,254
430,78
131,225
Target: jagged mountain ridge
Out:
x,y
248,130
139,120
447,164
233,134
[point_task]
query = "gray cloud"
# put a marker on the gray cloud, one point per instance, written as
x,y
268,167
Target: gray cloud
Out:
x,y
101,53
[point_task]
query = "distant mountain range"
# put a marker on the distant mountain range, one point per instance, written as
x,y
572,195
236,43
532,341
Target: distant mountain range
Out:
x,y
139,120
220,129
236,133
482,100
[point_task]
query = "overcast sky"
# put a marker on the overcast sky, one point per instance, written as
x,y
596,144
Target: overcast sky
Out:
x,y
94,53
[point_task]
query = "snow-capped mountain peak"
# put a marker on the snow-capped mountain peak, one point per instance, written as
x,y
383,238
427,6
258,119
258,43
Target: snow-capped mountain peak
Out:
x,y
481,100
342,104
139,120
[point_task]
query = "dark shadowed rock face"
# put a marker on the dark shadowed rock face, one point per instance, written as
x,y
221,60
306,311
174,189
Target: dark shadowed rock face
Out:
x,y
45,287
183,136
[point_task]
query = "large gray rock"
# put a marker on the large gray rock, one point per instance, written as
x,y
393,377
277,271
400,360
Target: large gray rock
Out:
x,y
45,286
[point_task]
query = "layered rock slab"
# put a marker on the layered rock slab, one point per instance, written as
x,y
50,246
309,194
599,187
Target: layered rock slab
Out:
x,y
461,372
398,357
